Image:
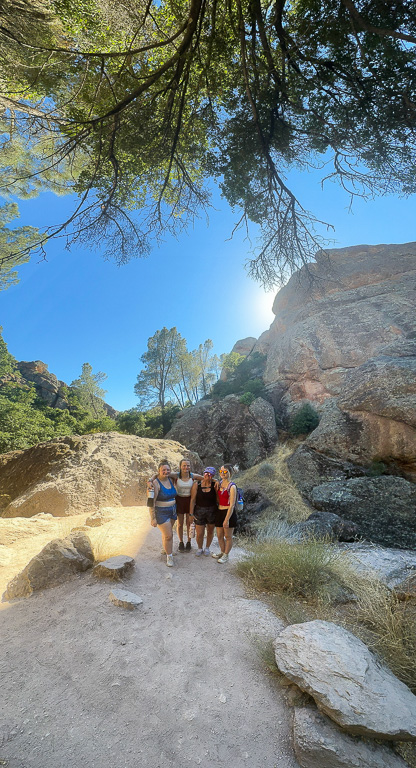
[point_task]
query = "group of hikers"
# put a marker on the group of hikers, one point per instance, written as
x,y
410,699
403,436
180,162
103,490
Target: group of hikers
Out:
x,y
191,498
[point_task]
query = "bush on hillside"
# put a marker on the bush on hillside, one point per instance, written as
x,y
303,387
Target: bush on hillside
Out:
x,y
305,420
248,398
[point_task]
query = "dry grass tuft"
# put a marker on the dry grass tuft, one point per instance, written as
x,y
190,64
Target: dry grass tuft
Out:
x,y
274,477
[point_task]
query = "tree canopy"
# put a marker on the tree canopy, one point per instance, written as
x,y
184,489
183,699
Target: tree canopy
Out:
x,y
134,106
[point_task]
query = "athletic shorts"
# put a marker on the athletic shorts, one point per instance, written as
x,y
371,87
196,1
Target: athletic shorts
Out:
x,y
163,514
205,515
220,517
183,504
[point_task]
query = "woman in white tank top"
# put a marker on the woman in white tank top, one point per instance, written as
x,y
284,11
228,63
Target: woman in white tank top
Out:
x,y
184,482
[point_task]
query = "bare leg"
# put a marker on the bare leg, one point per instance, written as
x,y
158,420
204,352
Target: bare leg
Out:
x,y
221,542
167,536
200,530
210,535
188,525
179,527
228,535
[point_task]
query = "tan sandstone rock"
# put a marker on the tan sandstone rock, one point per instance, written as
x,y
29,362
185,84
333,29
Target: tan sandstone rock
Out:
x,y
73,475
55,564
349,338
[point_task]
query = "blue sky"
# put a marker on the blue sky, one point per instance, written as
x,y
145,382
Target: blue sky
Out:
x,y
77,308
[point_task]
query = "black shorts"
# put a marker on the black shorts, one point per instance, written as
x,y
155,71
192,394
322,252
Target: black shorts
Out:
x,y
220,517
182,505
205,515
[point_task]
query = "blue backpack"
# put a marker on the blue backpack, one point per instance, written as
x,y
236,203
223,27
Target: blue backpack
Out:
x,y
239,499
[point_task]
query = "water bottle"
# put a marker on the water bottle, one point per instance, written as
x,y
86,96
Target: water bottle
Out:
x,y
192,530
150,496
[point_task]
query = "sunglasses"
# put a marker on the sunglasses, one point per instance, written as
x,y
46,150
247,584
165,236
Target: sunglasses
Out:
x,y
223,471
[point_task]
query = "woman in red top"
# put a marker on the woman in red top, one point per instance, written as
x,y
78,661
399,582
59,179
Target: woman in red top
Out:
x,y
226,517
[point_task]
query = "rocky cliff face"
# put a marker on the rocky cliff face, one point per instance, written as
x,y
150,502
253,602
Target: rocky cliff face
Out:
x,y
48,387
347,343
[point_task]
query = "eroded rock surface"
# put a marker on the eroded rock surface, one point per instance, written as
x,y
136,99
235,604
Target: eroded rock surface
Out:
x,y
319,742
227,431
346,680
56,563
72,475
384,508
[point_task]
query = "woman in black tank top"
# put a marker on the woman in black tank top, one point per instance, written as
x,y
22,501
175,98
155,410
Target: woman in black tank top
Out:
x,y
203,508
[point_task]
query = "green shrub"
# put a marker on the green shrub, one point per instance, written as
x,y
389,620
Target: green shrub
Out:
x,y
302,569
304,421
266,469
254,386
247,398
376,469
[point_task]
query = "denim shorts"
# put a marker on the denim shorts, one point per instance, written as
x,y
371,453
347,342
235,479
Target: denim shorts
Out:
x,y
163,514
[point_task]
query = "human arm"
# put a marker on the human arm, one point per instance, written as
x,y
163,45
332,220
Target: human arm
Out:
x,y
233,496
193,498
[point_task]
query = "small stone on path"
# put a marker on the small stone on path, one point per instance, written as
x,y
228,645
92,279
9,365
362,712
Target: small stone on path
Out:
x,y
114,567
125,599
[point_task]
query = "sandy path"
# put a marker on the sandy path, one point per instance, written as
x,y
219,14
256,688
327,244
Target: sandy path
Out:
x,y
177,682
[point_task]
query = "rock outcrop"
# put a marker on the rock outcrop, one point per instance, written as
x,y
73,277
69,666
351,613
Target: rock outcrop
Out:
x,y
383,507
346,681
227,431
319,742
72,475
48,387
56,562
347,341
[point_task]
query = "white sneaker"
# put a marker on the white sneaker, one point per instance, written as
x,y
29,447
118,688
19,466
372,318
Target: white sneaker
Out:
x,y
198,552
207,552
223,559
217,555
169,561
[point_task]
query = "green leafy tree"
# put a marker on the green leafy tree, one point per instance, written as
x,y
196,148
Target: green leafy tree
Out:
x,y
144,103
7,361
21,423
89,392
132,422
15,245
160,371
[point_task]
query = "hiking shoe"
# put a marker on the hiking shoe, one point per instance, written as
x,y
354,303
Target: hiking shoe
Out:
x,y
217,555
181,547
223,559
198,552
207,552
169,561
188,546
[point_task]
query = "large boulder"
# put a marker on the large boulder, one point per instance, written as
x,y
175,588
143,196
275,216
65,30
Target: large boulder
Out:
x,y
309,468
319,742
384,508
55,564
226,431
348,337
346,680
73,475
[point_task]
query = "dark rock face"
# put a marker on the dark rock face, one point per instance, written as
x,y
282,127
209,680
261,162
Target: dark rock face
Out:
x,y
384,508
255,502
327,525
309,468
223,431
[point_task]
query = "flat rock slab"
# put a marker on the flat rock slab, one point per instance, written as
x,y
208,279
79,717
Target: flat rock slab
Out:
x,y
125,599
346,680
319,742
114,567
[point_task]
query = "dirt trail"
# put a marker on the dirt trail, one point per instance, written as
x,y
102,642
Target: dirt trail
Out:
x,y
177,682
